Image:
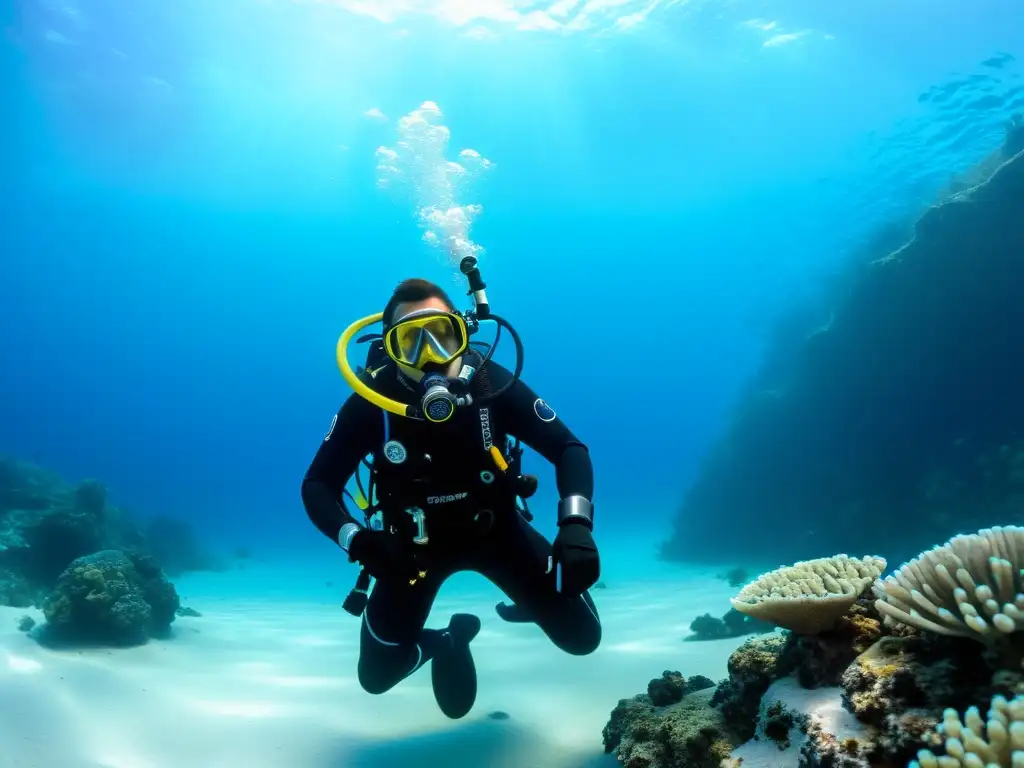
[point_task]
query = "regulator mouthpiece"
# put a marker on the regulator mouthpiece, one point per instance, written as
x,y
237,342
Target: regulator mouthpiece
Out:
x,y
438,402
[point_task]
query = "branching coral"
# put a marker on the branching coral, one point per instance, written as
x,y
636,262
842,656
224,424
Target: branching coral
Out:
x,y
809,596
974,743
969,587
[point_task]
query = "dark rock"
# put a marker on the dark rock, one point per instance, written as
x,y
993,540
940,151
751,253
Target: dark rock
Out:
x,y
667,689
688,734
25,623
732,624
821,659
901,685
902,735
707,627
753,667
778,723
897,674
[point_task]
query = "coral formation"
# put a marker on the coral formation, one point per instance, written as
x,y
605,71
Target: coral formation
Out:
x,y
732,624
46,524
752,668
667,689
109,598
996,741
901,685
688,733
779,721
896,682
672,686
969,587
810,596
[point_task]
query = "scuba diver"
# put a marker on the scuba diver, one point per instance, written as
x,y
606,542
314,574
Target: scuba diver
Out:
x,y
446,493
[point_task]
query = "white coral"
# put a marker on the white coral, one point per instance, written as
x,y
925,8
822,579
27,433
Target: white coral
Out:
x,y
974,743
809,596
969,587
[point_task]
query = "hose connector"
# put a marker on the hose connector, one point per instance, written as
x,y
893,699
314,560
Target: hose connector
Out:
x,y
477,286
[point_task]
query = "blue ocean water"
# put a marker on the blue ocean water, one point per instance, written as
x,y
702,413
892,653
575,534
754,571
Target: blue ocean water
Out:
x,y
191,215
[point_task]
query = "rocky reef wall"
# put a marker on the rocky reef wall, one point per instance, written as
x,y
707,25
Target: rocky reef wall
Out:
x,y
904,404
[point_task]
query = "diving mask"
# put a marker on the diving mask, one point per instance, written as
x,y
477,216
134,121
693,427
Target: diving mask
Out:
x,y
426,336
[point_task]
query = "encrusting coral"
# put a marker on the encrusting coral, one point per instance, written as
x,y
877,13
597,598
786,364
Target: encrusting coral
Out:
x,y
975,743
673,724
971,586
809,596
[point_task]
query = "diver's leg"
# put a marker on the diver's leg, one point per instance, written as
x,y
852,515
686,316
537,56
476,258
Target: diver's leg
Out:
x,y
393,643
517,562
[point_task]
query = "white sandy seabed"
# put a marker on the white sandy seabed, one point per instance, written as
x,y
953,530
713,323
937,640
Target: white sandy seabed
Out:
x,y
270,683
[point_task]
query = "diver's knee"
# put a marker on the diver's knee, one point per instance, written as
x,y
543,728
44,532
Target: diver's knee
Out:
x,y
582,641
580,648
587,645
376,678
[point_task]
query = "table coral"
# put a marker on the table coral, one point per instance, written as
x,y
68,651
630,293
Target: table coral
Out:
x,y
809,596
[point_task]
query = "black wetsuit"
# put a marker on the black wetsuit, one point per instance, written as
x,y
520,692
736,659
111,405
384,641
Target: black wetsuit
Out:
x,y
468,503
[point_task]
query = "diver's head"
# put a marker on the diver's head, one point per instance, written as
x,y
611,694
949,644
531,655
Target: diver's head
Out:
x,y
414,294
423,332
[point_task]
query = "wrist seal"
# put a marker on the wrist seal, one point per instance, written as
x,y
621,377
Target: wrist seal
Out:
x,y
346,534
576,509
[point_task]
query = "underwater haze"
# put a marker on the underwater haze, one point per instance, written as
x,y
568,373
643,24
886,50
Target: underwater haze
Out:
x,y
197,198
191,216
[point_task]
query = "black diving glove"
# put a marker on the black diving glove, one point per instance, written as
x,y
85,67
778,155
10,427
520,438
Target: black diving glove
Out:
x,y
574,558
381,554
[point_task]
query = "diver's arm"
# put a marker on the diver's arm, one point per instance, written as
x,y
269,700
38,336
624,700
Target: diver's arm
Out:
x,y
537,425
357,429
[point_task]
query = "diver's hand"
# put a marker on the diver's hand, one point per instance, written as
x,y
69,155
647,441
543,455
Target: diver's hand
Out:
x,y
380,553
575,559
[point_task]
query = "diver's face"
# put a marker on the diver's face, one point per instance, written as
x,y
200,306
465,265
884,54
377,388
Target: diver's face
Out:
x,y
452,369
